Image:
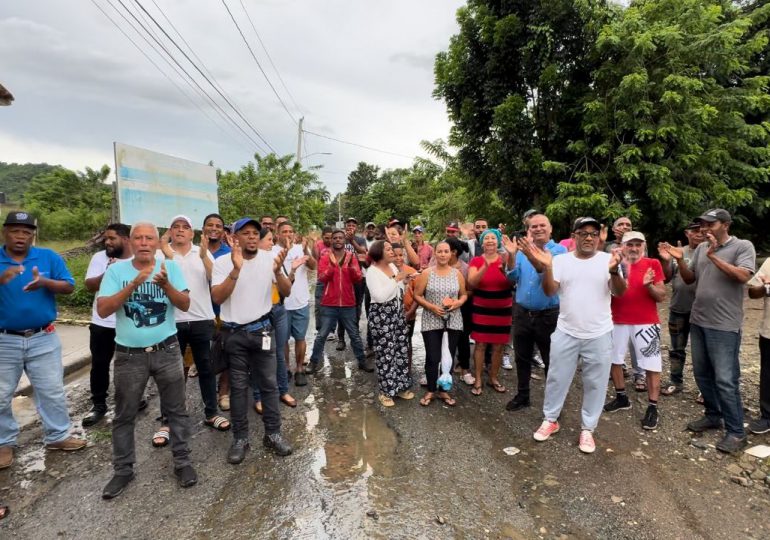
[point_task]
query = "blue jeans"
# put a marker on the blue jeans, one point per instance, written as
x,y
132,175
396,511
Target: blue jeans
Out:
x,y
40,357
679,330
717,371
346,317
281,333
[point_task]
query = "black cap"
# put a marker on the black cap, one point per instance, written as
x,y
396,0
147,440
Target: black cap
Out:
x,y
694,224
583,221
20,218
715,214
530,212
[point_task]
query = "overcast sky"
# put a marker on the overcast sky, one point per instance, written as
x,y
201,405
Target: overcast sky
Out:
x,y
359,71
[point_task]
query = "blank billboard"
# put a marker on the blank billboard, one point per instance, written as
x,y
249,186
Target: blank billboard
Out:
x,y
156,187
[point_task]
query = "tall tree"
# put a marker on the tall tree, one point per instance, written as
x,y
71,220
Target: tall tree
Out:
x,y
514,80
675,121
273,185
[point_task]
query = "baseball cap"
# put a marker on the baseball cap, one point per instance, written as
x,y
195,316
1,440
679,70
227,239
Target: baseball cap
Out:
x,y
530,212
354,220
370,223
692,225
394,221
583,221
715,214
241,223
418,228
453,226
181,217
20,218
633,235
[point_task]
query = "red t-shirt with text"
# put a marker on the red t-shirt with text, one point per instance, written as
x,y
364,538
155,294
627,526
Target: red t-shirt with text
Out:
x,y
636,306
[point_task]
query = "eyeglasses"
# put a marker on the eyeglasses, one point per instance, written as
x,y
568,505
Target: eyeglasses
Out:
x,y
587,234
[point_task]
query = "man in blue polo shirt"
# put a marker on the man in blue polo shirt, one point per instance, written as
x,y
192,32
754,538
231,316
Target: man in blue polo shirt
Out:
x,y
30,279
535,314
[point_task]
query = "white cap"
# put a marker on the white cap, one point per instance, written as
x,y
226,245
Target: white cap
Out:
x,y
633,235
182,218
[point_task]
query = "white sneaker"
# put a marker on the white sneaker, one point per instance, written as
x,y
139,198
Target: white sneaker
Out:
x,y
538,360
469,379
424,380
507,361
586,442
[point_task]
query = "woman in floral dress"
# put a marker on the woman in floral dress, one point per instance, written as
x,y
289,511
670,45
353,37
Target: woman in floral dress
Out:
x,y
387,324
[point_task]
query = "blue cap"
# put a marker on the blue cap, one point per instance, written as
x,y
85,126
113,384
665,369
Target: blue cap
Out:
x,y
241,223
418,228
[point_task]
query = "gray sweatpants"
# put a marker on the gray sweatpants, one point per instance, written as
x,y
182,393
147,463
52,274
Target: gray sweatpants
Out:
x,y
596,356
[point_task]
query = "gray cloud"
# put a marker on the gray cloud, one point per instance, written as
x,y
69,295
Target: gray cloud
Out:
x,y
415,60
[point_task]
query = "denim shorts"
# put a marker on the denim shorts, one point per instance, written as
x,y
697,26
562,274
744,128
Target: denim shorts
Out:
x,y
298,319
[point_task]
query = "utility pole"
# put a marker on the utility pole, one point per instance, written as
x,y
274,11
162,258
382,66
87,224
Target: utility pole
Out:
x,y
339,210
299,141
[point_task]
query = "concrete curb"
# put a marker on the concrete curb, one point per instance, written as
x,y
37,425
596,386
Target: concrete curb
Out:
x,y
25,388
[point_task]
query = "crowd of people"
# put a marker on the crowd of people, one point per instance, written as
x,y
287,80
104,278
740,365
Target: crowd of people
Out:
x,y
225,311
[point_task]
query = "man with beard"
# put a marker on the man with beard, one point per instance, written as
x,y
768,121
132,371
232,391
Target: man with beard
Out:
x,y
339,271
102,330
356,245
585,280
319,250
243,284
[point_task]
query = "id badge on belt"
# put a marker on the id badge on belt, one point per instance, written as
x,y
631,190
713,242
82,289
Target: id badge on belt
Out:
x,y
265,342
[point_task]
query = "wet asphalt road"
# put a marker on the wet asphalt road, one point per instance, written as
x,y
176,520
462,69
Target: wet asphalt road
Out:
x,y
362,471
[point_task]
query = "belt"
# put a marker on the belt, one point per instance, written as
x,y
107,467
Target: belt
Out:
x,y
30,331
538,312
263,323
152,348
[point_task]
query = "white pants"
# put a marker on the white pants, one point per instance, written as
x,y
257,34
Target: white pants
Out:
x,y
645,342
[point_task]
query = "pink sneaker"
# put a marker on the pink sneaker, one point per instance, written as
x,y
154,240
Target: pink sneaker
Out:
x,y
545,430
586,442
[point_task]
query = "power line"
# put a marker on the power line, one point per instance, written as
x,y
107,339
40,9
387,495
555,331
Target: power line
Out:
x,y
187,74
358,145
254,56
162,72
238,112
270,59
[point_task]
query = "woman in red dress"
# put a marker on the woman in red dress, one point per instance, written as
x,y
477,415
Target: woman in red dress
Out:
x,y
492,304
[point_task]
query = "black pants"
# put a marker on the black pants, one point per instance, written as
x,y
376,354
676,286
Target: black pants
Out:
x,y
102,344
432,339
198,335
245,355
359,289
764,377
532,328
367,303
463,341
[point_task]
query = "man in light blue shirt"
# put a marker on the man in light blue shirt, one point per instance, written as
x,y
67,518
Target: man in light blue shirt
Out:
x,y
535,313
143,293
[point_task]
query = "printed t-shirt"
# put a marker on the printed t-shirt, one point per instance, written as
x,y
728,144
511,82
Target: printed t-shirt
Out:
x,y
147,317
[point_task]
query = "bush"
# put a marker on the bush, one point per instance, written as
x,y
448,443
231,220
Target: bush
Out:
x,y
81,299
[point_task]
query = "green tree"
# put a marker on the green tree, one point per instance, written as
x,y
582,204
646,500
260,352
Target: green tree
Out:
x,y
69,204
273,185
514,80
676,121
15,177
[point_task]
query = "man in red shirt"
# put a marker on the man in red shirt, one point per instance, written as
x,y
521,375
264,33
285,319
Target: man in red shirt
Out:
x,y
338,270
635,316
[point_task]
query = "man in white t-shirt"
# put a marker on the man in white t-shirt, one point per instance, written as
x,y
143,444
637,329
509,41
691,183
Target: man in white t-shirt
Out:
x,y
298,261
102,330
585,279
759,287
242,285
195,327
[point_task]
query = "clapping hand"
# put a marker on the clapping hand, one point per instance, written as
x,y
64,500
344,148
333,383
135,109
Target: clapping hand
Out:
x,y
509,245
35,284
649,277
161,278
299,261
10,273
665,249
615,257
143,274
278,261
204,248
236,255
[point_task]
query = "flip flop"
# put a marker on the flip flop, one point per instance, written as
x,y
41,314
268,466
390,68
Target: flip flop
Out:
x,y
476,390
448,400
427,399
670,389
164,434
220,423
497,387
